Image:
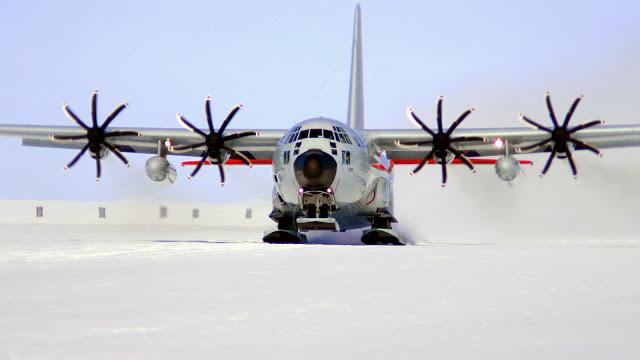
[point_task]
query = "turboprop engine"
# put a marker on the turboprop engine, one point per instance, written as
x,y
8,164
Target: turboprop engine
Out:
x,y
160,170
508,168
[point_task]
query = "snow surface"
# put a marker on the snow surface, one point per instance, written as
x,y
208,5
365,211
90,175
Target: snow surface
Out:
x,y
109,291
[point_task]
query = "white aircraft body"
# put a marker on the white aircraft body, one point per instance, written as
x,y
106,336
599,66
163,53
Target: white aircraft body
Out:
x,y
330,175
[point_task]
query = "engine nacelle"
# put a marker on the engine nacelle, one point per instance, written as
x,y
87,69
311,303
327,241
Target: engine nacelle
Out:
x,y
160,170
508,168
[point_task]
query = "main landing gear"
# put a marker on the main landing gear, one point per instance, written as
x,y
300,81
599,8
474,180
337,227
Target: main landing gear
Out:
x,y
381,232
287,233
381,237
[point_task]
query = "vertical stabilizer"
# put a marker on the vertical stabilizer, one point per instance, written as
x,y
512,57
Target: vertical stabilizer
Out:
x,y
355,113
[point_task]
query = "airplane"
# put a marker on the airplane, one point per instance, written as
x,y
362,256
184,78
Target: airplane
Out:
x,y
327,174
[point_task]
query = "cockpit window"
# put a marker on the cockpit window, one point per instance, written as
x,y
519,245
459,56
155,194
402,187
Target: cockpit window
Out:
x,y
328,134
315,133
291,137
341,135
303,134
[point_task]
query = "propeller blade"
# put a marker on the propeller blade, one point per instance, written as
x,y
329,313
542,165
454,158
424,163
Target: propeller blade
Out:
x,y
439,115
186,148
202,161
187,125
239,135
226,122
77,157
98,169
221,170
459,121
71,115
571,111
118,133
413,143
467,138
207,110
116,152
552,113
585,126
587,146
549,161
444,173
242,156
534,146
572,163
463,158
113,115
65,138
417,120
94,109
535,124
422,163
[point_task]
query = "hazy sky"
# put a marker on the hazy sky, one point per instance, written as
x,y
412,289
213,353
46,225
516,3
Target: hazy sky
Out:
x,y
162,57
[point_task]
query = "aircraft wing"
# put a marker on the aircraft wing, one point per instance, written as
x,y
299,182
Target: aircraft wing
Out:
x,y
255,147
601,137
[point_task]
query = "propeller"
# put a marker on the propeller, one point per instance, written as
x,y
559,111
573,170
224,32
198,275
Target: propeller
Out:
x,y
561,136
96,135
441,141
214,142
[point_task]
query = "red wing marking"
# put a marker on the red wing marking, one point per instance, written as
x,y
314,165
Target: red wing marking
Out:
x,y
230,162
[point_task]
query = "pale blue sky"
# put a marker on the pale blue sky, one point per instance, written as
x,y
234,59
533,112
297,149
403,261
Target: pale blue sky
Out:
x,y
164,57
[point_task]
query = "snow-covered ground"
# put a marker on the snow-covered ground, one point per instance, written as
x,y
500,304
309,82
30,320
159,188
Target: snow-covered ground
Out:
x,y
109,291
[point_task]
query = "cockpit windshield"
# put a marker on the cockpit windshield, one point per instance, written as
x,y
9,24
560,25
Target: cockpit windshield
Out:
x,y
337,134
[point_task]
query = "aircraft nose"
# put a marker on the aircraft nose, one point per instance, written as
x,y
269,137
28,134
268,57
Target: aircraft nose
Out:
x,y
315,169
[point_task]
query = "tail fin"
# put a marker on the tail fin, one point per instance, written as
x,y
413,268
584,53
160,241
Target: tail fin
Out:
x,y
355,113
